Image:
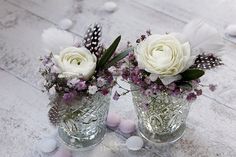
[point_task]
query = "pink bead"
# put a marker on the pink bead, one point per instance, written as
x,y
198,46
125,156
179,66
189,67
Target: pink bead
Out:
x,y
127,126
62,152
113,119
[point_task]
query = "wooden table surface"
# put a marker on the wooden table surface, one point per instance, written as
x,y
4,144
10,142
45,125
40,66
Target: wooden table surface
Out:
x,y
211,126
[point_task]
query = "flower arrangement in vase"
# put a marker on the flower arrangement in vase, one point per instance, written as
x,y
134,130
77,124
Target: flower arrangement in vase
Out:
x,y
164,73
82,76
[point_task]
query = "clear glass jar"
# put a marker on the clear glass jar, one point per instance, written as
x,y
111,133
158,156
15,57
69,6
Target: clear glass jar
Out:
x,y
83,123
161,117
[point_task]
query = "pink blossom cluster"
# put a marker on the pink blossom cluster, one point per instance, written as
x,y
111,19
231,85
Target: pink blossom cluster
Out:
x,y
151,87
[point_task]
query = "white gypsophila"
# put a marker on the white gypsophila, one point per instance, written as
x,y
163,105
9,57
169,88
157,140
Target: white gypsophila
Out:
x,y
92,89
76,62
164,55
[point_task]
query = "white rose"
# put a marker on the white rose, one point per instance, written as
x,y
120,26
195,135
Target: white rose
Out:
x,y
164,55
77,62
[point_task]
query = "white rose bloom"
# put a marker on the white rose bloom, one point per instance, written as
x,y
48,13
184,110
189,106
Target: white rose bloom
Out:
x,y
164,55
77,62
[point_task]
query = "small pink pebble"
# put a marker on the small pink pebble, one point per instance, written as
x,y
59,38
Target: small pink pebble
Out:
x,y
62,152
127,126
113,119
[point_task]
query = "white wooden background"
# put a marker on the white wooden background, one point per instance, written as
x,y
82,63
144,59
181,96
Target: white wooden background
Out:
x,y
211,127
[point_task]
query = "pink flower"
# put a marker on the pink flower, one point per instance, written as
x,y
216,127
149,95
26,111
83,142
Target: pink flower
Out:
x,y
131,57
101,82
105,91
147,80
71,83
212,87
67,97
198,91
116,96
171,86
125,73
191,97
81,85
55,69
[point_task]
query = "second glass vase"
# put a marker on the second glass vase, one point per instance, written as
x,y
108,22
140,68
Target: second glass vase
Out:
x,y
161,117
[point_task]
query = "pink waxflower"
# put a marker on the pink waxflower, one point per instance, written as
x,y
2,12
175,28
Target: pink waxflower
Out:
x,y
81,85
191,97
72,82
105,91
55,69
171,86
77,84
131,57
212,87
125,73
67,97
116,96
101,82
46,60
147,80
198,92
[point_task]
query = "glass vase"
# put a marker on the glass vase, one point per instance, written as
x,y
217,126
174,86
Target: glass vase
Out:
x,y
161,117
83,124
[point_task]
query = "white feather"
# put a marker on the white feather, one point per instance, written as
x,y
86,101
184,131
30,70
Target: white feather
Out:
x,y
203,36
55,40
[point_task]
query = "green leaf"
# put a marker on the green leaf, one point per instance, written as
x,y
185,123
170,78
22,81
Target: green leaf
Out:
x,y
118,57
192,74
184,85
109,52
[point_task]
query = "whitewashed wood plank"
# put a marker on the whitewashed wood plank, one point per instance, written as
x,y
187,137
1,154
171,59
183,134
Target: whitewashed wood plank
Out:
x,y
220,12
23,113
123,21
20,42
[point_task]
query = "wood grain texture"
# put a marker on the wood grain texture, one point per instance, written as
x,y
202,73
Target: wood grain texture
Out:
x,y
23,108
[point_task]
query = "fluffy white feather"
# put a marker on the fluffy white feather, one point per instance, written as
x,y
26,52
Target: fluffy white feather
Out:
x,y
55,40
203,36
